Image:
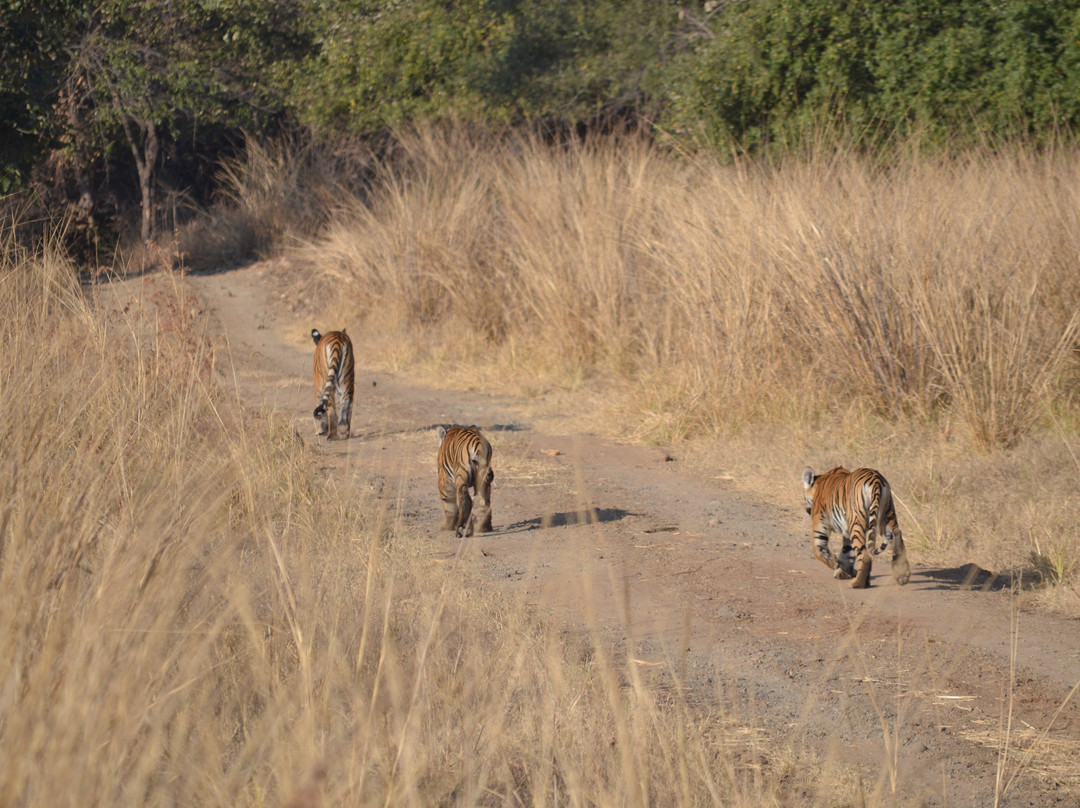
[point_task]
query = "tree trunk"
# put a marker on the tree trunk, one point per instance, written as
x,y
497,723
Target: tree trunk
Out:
x,y
145,161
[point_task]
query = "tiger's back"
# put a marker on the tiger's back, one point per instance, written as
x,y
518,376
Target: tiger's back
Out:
x,y
334,380
464,462
858,505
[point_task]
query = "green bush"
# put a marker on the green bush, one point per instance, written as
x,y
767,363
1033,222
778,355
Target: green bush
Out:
x,y
147,96
776,68
378,65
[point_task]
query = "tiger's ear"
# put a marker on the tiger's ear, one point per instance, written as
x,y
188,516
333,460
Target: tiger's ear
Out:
x,y
441,432
807,477
315,335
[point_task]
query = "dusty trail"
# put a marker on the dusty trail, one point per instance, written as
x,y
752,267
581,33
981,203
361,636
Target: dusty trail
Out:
x,y
703,588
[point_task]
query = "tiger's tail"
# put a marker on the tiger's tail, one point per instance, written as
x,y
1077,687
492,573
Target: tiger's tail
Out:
x,y
332,369
881,504
320,409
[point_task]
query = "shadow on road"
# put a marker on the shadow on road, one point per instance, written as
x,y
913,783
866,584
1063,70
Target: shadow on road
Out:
x,y
966,576
590,516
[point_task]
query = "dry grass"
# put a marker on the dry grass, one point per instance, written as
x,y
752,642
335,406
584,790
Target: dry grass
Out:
x,y
918,314
272,195
192,617
725,294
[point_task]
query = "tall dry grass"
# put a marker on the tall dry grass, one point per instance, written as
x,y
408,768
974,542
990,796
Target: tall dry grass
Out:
x,y
913,312
723,294
273,195
190,616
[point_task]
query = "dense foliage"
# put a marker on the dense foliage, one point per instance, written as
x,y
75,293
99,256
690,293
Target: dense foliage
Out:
x,y
123,98
34,39
379,64
939,68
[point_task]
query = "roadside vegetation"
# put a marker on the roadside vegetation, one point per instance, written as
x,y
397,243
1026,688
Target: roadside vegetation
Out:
x,y
120,112
192,615
916,314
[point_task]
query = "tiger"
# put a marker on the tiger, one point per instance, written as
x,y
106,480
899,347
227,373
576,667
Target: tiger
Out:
x,y
333,382
859,506
464,462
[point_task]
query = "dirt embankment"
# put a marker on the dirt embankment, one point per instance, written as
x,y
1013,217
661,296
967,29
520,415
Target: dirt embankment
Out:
x,y
703,588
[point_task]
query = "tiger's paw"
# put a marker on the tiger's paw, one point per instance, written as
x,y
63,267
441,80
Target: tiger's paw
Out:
x,y
862,572
901,570
842,574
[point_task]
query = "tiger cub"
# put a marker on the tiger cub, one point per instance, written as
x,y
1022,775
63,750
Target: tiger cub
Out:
x,y
333,382
464,462
859,506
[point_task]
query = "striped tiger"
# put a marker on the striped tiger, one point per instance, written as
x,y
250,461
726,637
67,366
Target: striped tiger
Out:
x,y
859,506
333,382
464,462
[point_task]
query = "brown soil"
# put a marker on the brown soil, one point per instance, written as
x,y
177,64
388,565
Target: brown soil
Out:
x,y
701,588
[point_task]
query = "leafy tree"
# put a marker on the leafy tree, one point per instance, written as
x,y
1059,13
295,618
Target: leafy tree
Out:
x,y
148,71
776,67
378,64
581,61
33,42
383,63
161,86
963,65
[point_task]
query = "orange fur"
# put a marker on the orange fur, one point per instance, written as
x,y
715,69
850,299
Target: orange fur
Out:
x,y
859,506
333,374
464,462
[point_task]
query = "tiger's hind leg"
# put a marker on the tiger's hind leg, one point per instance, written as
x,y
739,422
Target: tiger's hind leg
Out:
x,y
861,554
482,512
450,512
322,419
863,564
464,521
343,405
901,569
331,423
845,563
449,502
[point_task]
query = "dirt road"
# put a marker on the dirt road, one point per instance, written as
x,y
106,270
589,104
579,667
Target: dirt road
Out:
x,y
703,588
